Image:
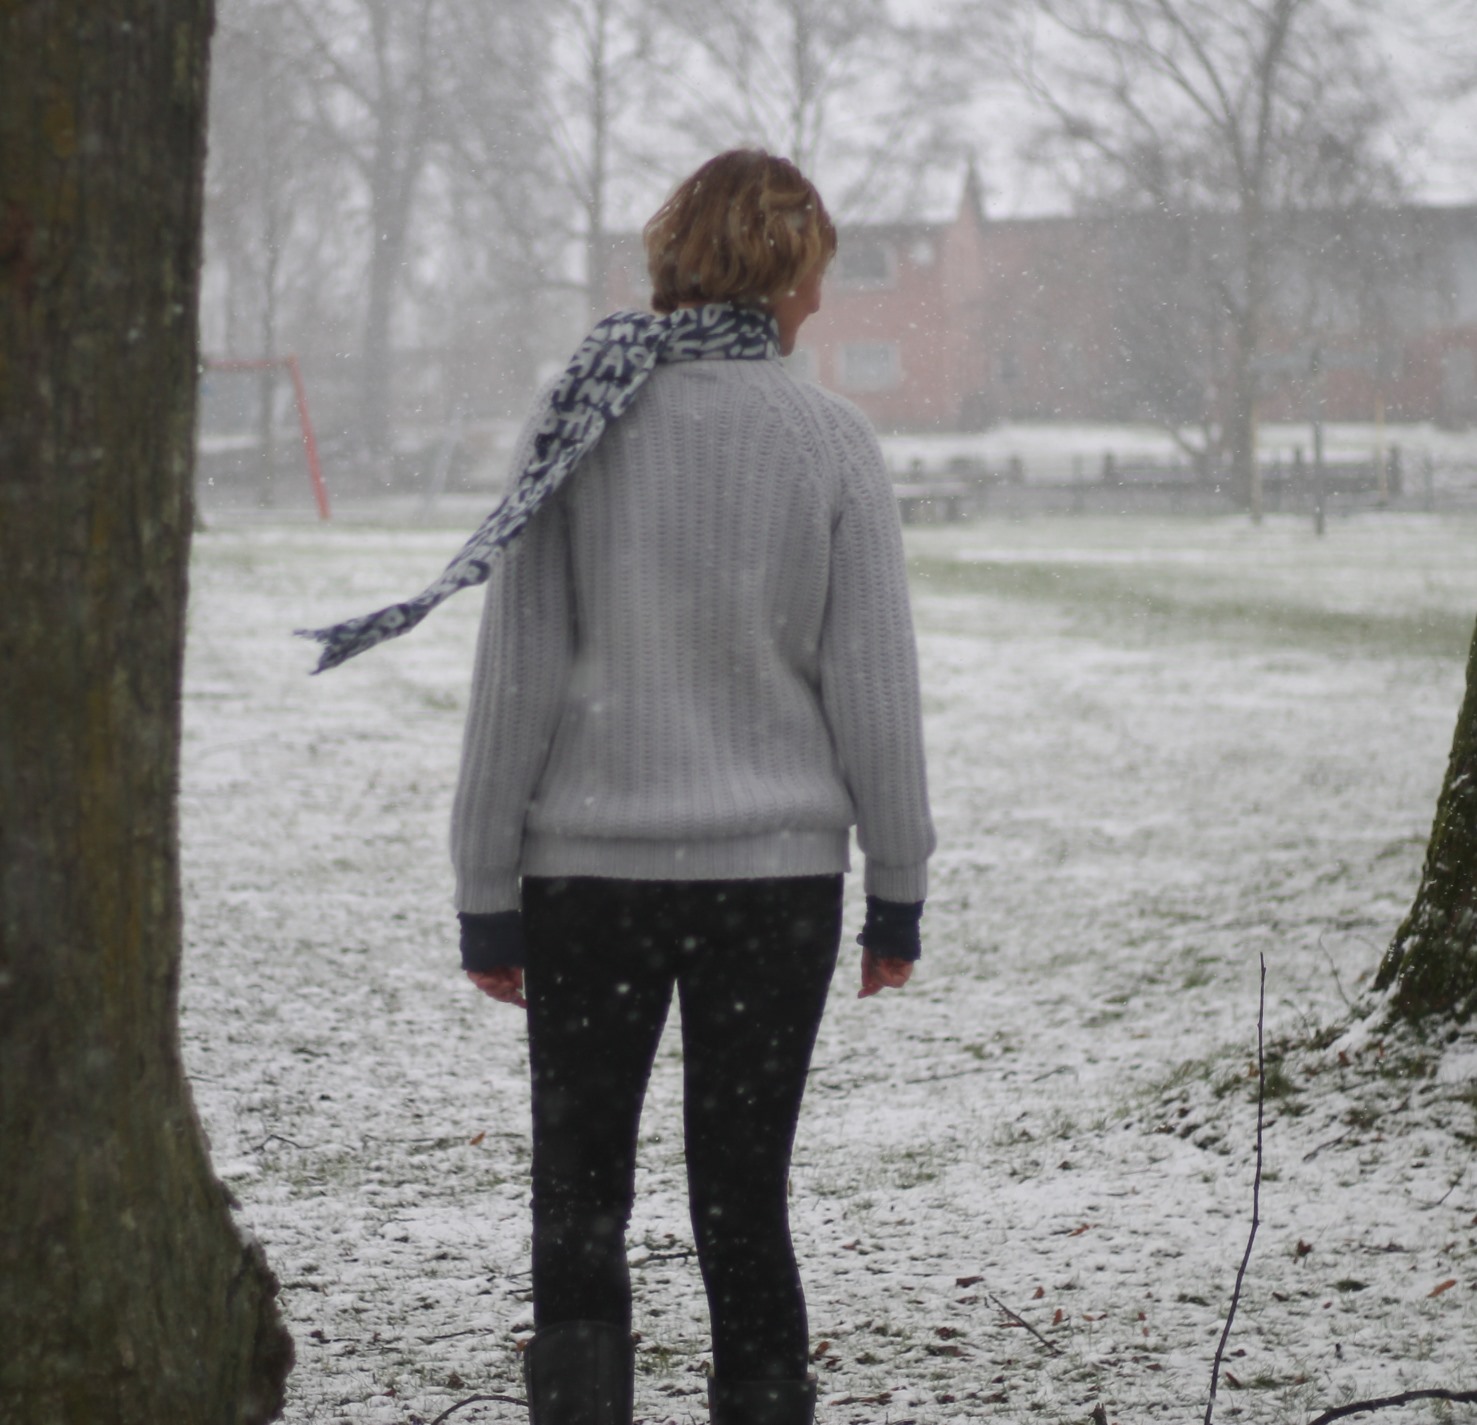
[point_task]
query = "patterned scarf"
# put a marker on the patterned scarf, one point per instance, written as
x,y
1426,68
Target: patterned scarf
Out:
x,y
597,387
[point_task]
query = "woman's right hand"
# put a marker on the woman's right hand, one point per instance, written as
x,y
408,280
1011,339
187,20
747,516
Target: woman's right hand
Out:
x,y
504,984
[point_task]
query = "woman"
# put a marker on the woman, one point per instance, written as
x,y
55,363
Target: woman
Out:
x,y
695,672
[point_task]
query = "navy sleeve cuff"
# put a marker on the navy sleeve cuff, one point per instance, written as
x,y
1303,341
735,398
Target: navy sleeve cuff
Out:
x,y
891,929
492,941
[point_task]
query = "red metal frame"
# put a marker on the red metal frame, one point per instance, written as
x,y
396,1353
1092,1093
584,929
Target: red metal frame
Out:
x,y
300,392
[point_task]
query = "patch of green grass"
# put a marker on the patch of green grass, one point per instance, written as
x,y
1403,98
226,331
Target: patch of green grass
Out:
x,y
1280,1086
1147,599
910,1167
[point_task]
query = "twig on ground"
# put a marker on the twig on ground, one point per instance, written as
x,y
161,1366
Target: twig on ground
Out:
x,y
679,1254
1021,1321
1338,984
1052,1073
473,1399
1256,1192
952,1074
1427,1206
1331,1143
1357,1407
277,1138
452,1335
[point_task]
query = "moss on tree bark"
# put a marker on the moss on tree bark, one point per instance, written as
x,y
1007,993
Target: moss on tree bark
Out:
x,y
126,1293
1431,966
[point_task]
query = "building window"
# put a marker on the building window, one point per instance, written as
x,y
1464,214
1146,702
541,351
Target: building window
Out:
x,y
802,364
863,262
870,366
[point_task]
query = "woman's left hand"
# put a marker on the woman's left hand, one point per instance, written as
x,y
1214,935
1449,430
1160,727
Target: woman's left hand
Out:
x,y
883,972
504,983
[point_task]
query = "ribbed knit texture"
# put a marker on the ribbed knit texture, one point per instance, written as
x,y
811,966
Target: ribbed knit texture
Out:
x,y
698,663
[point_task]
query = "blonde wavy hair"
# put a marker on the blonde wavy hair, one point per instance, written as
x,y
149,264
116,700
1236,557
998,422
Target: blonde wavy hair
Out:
x,y
747,227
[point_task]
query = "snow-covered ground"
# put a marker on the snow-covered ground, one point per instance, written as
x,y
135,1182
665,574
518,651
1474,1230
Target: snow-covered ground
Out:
x,y
1053,450
1158,750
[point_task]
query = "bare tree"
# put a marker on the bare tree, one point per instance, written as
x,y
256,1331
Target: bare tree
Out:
x,y
372,71
1430,968
1235,119
593,106
126,1293
272,196
519,169
856,95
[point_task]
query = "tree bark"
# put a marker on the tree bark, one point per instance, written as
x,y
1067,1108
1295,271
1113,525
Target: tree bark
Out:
x,y
1431,966
126,1293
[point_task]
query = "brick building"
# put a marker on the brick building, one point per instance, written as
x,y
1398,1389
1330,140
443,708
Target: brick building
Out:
x,y
956,325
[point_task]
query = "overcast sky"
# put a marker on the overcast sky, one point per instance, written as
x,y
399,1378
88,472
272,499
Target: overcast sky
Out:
x,y
1429,45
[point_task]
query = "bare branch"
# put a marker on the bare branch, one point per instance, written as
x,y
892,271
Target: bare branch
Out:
x,y
1256,1193
1021,1321
472,1400
1358,1407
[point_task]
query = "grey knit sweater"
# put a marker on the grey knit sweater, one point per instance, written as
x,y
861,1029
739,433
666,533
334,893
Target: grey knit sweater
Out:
x,y
697,663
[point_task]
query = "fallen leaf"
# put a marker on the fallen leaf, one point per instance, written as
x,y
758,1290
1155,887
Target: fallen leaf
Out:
x,y
1038,1293
1058,1316
1078,1231
479,1138
1445,1286
1231,1380
967,1281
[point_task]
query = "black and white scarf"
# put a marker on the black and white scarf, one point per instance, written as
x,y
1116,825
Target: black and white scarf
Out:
x,y
599,384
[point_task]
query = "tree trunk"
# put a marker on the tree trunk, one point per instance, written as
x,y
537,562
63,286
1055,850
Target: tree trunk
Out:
x,y
1431,966
1240,428
126,1294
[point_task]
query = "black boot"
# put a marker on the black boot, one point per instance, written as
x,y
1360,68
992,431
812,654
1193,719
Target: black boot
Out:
x,y
761,1402
580,1373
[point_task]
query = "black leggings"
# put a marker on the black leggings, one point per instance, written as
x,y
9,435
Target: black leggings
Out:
x,y
752,961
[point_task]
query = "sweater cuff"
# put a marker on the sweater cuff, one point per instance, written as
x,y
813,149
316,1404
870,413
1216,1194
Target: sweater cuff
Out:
x,y
900,884
491,941
891,929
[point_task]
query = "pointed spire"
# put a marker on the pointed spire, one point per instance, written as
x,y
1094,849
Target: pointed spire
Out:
x,y
973,198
